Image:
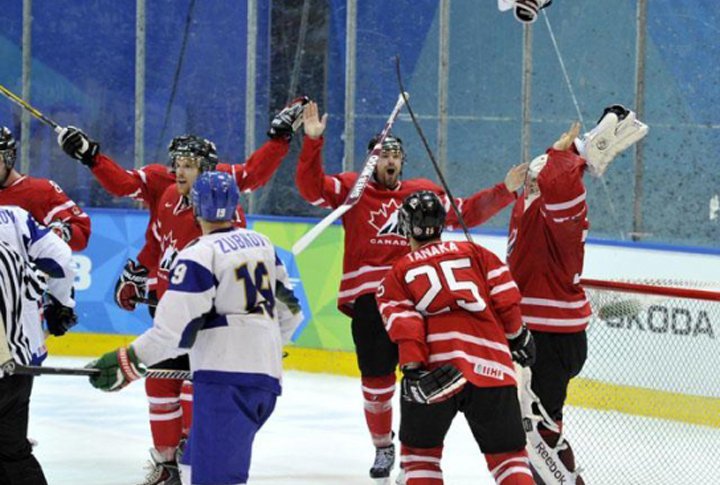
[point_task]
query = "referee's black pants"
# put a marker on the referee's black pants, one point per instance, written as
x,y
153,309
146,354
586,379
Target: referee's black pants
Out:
x,y
18,466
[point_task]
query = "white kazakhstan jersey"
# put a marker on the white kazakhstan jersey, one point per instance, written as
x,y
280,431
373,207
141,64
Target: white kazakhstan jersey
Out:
x,y
45,251
230,302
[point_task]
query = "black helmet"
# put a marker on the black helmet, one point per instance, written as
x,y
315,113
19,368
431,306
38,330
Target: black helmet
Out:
x,y
8,147
391,142
422,216
193,146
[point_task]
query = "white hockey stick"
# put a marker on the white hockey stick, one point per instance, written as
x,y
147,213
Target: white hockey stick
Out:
x,y
357,189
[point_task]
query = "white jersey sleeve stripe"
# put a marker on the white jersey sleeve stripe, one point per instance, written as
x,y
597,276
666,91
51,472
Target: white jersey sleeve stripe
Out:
x,y
504,287
49,217
566,205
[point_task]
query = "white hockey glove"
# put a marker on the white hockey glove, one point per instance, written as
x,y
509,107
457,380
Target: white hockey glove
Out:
x,y
617,130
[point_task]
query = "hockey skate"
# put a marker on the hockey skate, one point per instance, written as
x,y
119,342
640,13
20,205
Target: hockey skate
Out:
x,y
384,461
161,472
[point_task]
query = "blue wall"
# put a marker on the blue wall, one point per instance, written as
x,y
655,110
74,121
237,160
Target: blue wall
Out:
x,y
83,74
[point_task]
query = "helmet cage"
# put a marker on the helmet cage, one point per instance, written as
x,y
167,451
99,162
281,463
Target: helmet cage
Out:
x,y
8,148
193,146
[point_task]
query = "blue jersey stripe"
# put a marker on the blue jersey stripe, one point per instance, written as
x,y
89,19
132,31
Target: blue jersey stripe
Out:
x,y
191,277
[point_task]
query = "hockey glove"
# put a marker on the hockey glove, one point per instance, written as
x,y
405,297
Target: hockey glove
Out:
x,y
287,121
131,285
58,317
526,11
77,145
421,386
117,369
522,348
62,229
617,129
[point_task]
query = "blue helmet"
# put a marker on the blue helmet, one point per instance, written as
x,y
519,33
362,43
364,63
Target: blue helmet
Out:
x,y
215,196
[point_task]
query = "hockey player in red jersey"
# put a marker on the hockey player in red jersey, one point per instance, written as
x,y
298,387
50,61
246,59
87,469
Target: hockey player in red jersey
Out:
x,y
42,198
453,309
372,244
165,191
148,184
546,251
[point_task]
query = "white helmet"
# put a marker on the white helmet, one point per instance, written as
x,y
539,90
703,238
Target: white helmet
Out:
x,y
536,166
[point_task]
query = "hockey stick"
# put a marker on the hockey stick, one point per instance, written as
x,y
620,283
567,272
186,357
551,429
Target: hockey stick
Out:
x,y
360,184
81,371
25,105
429,151
145,301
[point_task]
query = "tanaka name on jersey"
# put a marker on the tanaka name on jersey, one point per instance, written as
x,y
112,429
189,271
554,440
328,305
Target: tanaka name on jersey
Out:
x,y
434,250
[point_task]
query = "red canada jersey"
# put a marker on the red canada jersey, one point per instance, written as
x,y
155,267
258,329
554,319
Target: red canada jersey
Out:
x,y
175,227
453,302
372,238
46,202
546,248
149,183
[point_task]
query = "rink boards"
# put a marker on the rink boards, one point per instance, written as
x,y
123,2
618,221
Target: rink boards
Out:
x,y
661,363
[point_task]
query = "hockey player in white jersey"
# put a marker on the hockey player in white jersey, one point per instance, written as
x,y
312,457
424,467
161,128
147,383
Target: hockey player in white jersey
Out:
x,y
32,259
231,306
52,256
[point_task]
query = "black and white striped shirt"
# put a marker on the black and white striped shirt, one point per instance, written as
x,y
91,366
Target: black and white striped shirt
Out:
x,y
18,278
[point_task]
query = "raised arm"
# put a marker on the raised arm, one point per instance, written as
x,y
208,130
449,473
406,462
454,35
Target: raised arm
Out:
x,y
560,181
146,184
314,186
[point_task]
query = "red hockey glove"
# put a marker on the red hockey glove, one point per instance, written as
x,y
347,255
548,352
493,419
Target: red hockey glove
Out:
x,y
131,285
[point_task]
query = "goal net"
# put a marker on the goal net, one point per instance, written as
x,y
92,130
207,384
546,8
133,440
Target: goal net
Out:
x,y
646,407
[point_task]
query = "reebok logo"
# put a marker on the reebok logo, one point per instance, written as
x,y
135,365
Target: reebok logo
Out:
x,y
549,460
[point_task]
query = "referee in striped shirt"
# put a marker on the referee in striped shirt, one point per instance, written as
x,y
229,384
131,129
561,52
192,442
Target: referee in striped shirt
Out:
x,y
32,260
17,278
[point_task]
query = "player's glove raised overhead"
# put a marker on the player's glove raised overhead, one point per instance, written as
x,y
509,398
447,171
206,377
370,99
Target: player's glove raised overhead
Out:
x,y
428,387
617,130
522,348
526,11
58,317
131,285
117,369
77,145
287,121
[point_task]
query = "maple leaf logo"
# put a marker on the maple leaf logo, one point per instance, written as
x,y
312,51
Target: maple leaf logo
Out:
x,y
385,219
168,246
